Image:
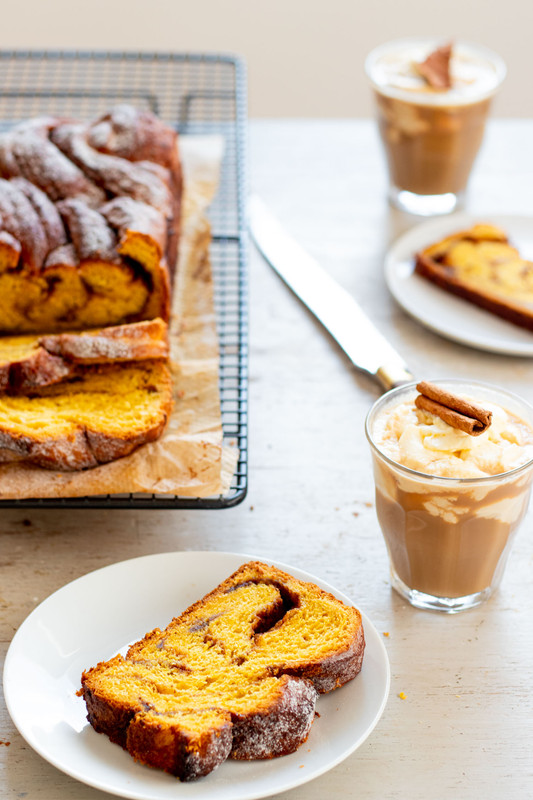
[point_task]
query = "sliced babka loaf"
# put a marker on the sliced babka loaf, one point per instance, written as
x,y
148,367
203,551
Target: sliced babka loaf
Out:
x,y
237,674
482,266
102,414
27,362
89,221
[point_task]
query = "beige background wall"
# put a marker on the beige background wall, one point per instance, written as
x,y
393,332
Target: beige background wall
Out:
x,y
305,57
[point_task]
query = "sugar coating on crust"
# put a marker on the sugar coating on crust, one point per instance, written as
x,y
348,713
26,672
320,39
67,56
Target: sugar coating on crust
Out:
x,y
46,211
141,180
135,342
29,362
91,235
109,256
283,730
28,152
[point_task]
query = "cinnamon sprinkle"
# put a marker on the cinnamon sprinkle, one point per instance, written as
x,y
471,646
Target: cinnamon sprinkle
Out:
x,y
456,411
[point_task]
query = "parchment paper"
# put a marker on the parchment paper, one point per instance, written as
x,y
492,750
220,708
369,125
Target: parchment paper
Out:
x,y
189,459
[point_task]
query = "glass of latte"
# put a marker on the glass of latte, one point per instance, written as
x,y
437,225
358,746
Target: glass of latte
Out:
x,y
432,122
449,503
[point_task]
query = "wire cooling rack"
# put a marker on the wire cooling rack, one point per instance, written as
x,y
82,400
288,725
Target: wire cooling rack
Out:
x,y
197,94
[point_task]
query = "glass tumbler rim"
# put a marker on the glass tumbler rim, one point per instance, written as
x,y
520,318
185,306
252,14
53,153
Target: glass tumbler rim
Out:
x,y
494,58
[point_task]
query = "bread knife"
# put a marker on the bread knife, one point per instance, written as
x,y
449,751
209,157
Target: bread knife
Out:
x,y
333,306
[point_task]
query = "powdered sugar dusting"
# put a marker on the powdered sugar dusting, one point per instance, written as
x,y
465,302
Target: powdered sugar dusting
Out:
x,y
283,729
46,211
125,213
134,134
116,175
63,204
90,233
20,219
137,341
29,152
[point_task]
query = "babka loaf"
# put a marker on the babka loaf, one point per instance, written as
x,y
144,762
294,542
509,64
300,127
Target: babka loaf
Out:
x,y
480,265
236,675
27,362
89,221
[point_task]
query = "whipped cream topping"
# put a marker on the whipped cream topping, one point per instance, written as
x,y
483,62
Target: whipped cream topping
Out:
x,y
423,442
475,72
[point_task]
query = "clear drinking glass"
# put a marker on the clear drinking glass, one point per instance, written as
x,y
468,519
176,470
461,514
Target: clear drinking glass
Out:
x,y
448,539
431,137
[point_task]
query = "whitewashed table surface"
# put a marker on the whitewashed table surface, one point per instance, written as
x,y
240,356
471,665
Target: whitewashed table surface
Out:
x,y
463,727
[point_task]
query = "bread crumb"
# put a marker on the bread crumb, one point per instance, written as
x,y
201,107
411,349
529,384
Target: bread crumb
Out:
x,y
402,696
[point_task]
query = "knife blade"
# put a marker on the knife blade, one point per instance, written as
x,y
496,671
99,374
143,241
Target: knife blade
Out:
x,y
332,305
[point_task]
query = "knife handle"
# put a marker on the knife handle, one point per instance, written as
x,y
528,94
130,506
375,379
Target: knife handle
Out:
x,y
392,375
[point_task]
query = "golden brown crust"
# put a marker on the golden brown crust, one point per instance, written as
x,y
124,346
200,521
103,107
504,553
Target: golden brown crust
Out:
x,y
165,743
236,674
141,180
134,134
89,232
46,211
279,729
139,341
10,251
132,218
36,367
19,218
425,267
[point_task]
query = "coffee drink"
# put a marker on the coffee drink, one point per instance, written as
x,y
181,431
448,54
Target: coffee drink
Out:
x,y
431,135
449,503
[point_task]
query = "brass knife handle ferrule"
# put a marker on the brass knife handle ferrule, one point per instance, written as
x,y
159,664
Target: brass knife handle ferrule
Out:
x,y
392,375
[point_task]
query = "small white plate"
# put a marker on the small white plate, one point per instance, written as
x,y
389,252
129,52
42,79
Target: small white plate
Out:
x,y
444,313
89,619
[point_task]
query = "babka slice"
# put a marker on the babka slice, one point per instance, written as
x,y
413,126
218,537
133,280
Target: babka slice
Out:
x,y
89,221
237,674
28,362
481,266
100,415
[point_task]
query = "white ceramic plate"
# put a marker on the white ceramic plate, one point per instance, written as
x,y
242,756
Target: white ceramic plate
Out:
x,y
443,313
83,623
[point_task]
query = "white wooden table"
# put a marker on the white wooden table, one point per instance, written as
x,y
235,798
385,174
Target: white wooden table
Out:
x,y
465,726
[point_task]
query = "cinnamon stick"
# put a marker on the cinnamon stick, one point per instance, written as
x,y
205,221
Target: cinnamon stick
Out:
x,y
456,411
436,68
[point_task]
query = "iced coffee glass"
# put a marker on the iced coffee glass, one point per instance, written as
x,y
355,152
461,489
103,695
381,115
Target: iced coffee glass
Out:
x,y
448,536
431,136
